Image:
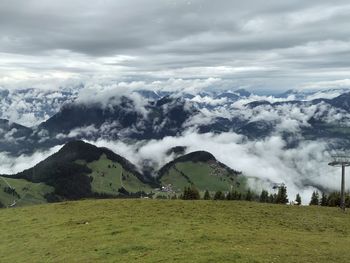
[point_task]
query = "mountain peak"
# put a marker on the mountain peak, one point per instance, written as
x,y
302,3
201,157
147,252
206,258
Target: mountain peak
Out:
x,y
243,93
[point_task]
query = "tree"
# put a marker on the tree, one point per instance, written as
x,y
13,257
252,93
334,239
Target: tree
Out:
x,y
195,193
206,195
333,199
236,195
264,196
298,199
315,198
347,199
219,196
282,197
249,195
186,193
324,200
191,193
272,198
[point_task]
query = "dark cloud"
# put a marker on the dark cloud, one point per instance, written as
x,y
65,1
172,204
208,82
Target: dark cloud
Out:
x,y
269,44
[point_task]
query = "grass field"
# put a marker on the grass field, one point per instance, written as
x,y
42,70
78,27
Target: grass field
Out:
x,y
30,193
173,231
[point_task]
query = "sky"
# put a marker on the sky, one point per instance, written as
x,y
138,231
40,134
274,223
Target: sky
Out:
x,y
267,45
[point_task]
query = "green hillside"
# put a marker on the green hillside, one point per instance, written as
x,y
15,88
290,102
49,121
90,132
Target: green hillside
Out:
x,y
173,231
109,176
202,170
79,170
26,193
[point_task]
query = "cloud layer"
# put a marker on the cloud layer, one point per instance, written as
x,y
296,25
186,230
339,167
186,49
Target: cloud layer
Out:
x,y
262,45
11,165
302,169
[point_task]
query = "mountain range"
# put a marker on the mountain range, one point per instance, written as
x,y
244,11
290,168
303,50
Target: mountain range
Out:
x,y
151,116
133,119
81,170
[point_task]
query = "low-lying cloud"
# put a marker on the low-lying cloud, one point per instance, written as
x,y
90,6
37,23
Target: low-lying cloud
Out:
x,y
303,169
12,165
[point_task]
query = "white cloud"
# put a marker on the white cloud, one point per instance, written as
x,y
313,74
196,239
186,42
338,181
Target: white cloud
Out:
x,y
269,159
12,165
340,84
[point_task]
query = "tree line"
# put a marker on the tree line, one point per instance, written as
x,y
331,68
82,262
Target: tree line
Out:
x,y
331,199
192,193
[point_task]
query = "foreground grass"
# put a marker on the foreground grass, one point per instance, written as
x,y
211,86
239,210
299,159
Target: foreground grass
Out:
x,y
173,231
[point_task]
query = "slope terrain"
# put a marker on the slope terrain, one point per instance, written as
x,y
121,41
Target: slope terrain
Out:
x,y
21,192
81,170
78,170
173,231
202,170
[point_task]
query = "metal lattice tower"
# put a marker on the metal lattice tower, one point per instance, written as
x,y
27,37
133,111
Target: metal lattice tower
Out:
x,y
341,161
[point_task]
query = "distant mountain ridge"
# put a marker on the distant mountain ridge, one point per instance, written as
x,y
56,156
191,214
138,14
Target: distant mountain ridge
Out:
x,y
126,120
311,94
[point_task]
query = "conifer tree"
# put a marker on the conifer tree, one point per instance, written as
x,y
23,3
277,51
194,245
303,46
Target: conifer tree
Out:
x,y
249,196
298,199
195,193
236,195
219,196
282,197
324,199
272,198
191,193
314,198
347,199
185,194
206,195
333,199
264,196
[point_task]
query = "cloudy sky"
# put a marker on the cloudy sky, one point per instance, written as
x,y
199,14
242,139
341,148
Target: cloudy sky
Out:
x,y
260,45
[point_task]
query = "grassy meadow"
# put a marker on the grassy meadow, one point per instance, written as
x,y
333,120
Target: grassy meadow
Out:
x,y
29,193
206,176
109,176
173,231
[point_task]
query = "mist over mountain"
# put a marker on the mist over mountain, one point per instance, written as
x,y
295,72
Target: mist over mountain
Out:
x,y
29,106
134,115
81,170
142,125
